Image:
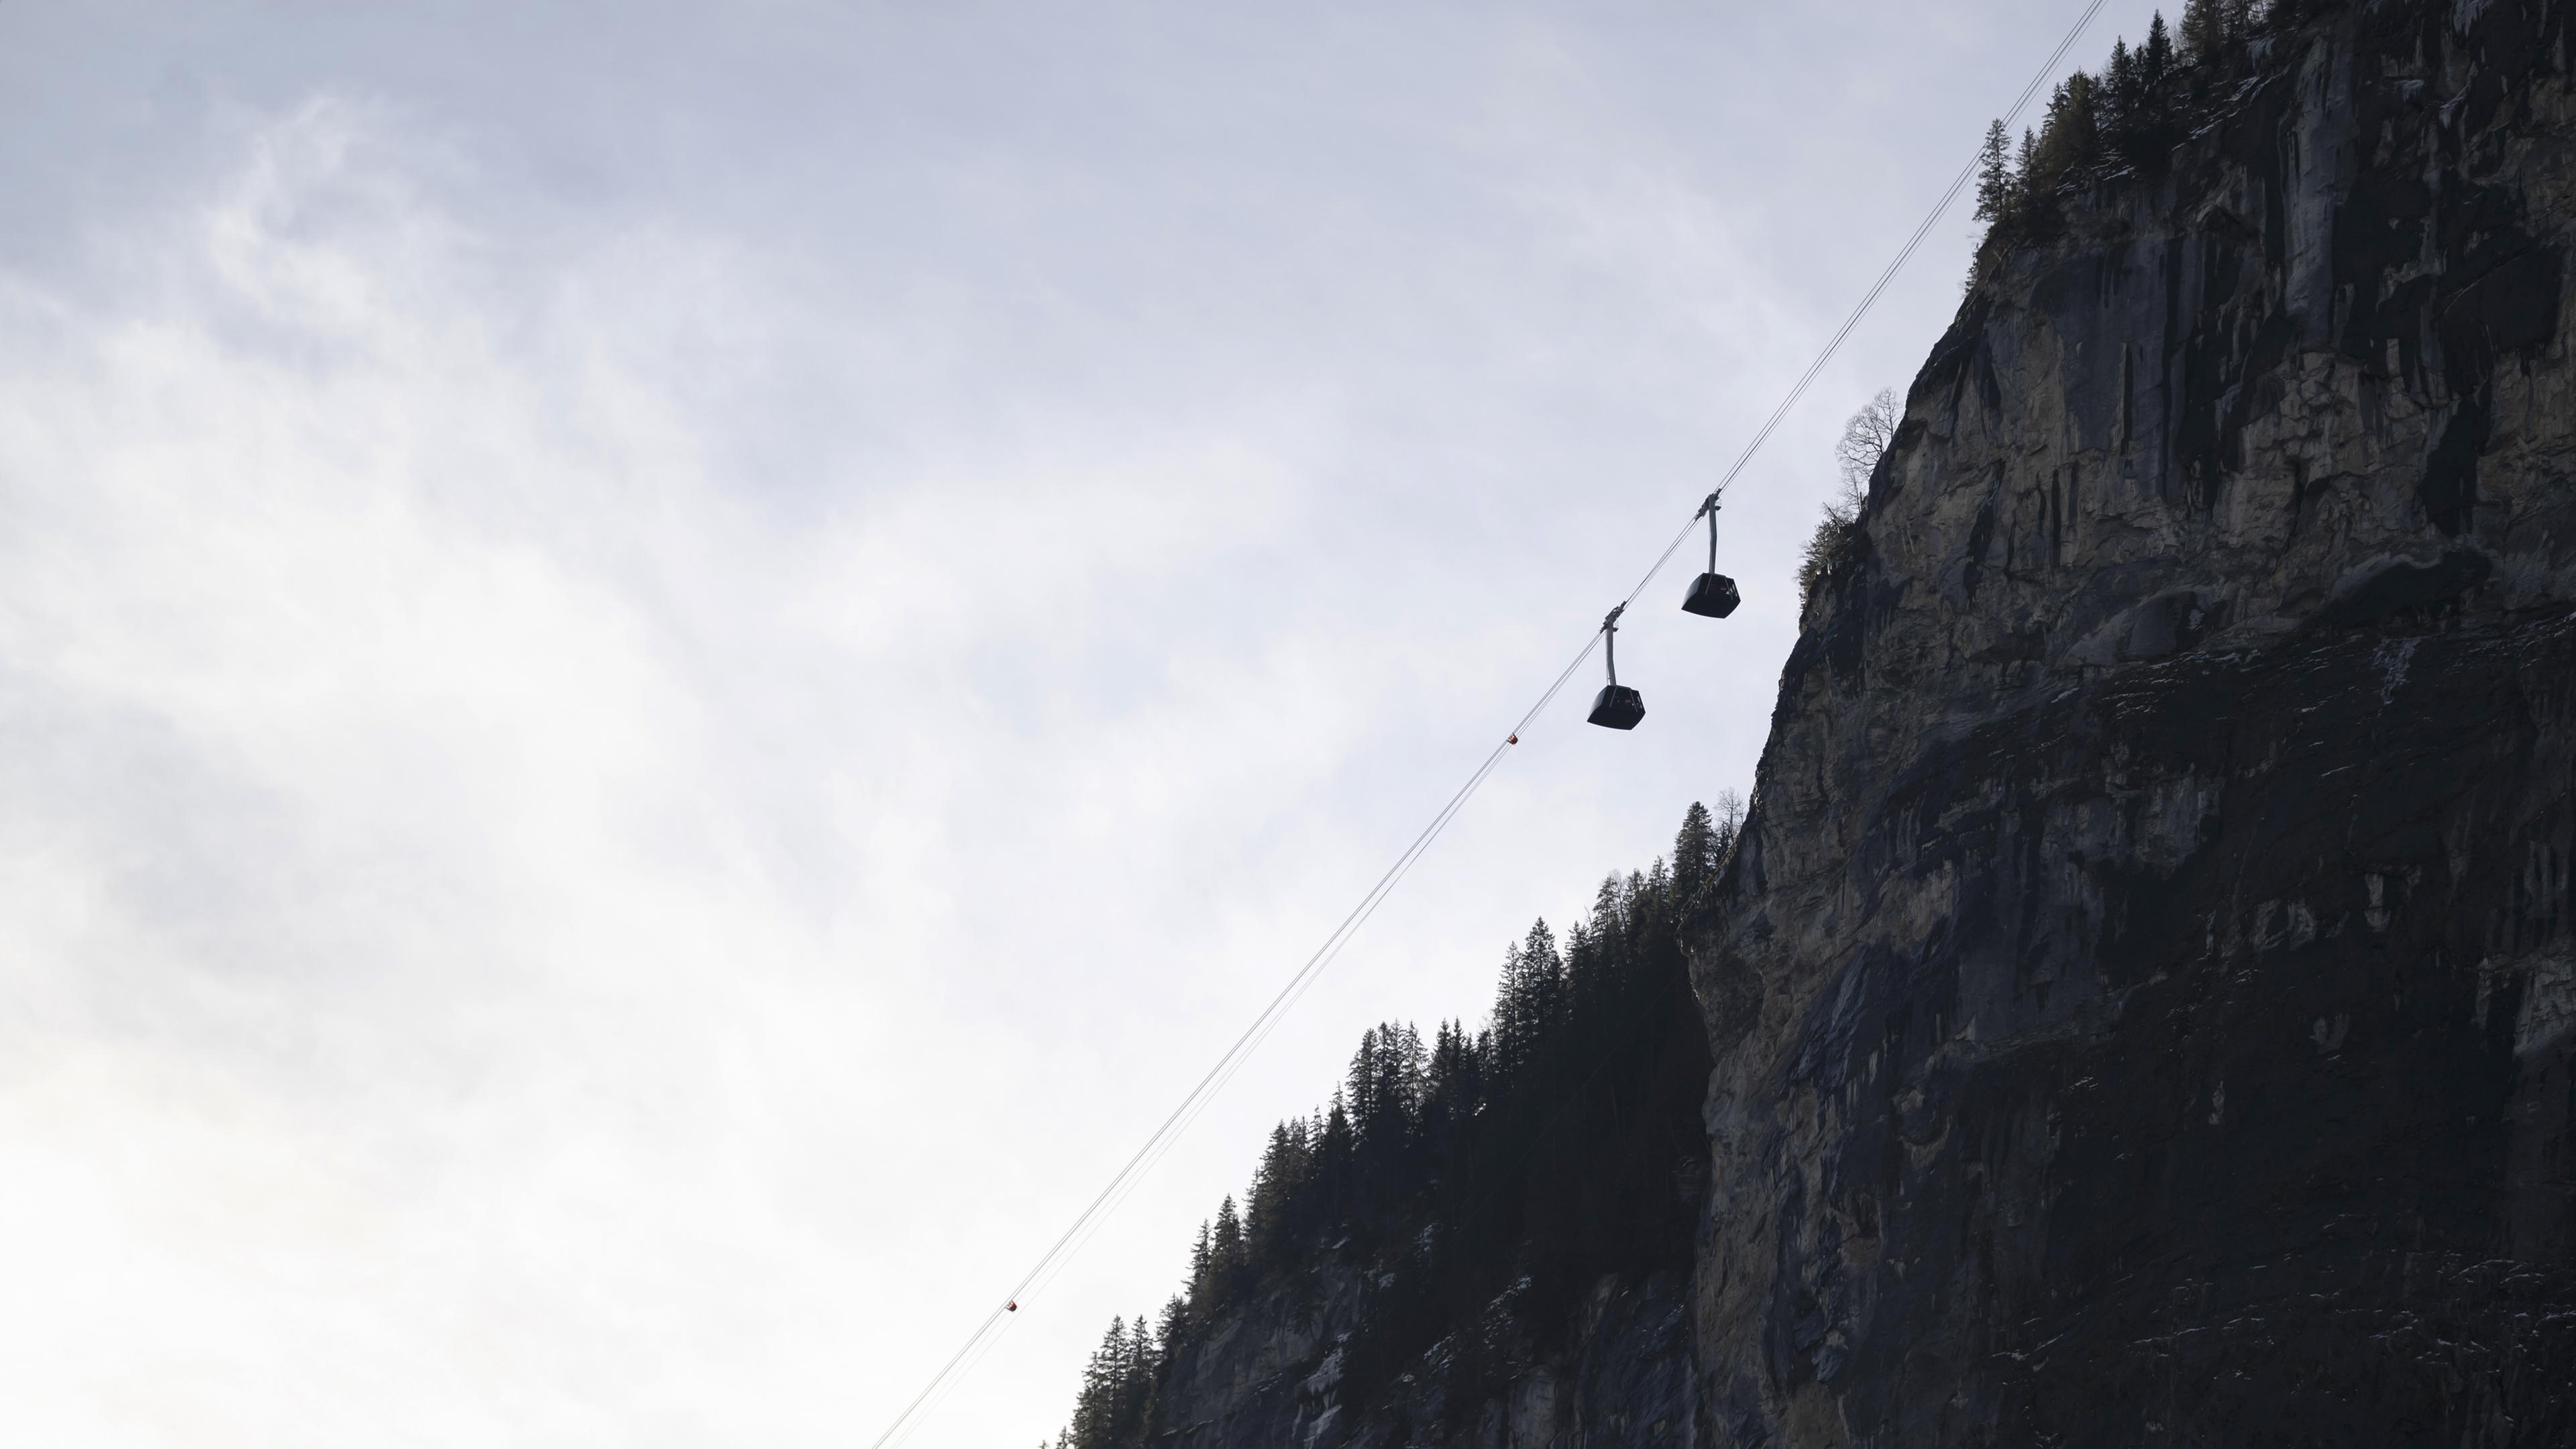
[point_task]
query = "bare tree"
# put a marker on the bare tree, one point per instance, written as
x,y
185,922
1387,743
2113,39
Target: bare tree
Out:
x,y
1729,818
1866,435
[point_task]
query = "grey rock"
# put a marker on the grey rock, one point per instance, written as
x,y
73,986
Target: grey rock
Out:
x,y
2142,995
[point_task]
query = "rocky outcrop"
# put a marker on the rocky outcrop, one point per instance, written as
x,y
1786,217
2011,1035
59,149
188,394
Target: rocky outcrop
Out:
x,y
2143,993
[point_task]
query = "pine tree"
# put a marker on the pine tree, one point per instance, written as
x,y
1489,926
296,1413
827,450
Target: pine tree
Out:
x,y
1225,1244
1647,906
2204,31
1511,1027
2156,61
1104,1388
1453,1090
1335,1163
1135,1388
1268,1229
2083,118
1544,969
2070,137
1384,1087
1994,177
1203,1287
1360,1087
2120,93
1589,955
1527,1001
1695,848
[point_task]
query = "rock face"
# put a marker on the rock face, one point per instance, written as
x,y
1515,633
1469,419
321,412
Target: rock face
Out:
x,y
1624,1378
2142,996
2143,993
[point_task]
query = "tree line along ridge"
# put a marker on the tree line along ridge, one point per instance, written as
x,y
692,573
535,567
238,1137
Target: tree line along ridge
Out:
x,y
1480,1180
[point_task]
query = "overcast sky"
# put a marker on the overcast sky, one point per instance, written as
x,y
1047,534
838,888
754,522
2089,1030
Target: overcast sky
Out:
x,y
666,670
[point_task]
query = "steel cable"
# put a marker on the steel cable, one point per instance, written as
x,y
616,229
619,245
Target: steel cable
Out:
x,y
1227,1064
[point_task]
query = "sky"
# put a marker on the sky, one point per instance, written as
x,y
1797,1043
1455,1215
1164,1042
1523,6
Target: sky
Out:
x,y
667,670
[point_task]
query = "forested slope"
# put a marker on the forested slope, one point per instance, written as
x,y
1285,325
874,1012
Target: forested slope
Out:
x,y
1450,1232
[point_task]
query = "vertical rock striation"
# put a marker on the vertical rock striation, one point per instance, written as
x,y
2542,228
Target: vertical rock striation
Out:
x,y
2142,996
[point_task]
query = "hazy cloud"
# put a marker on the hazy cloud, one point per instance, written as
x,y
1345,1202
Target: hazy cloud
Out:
x,y
662,680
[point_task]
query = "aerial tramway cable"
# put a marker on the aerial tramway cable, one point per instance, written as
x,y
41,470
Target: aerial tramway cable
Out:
x,y
1262,1025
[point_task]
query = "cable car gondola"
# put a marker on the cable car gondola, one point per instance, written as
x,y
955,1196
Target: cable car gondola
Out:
x,y
1712,594
1616,707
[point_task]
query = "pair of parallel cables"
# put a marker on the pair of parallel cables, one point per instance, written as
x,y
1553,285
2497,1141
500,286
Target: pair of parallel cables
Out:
x,y
1262,1025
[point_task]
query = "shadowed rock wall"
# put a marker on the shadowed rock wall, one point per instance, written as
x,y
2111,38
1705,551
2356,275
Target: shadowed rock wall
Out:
x,y
1623,1377
2143,994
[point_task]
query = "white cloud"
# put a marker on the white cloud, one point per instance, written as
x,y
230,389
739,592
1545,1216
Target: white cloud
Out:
x,y
507,922
411,1031
659,684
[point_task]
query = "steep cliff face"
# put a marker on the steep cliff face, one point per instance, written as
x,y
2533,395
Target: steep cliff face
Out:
x,y
2142,996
